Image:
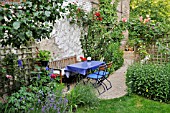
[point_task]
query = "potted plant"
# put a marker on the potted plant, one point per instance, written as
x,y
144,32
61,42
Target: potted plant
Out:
x,y
43,56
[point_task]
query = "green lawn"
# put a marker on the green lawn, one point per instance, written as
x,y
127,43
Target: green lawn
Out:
x,y
128,104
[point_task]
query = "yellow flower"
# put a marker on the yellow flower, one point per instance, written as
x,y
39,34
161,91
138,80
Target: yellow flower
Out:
x,y
146,90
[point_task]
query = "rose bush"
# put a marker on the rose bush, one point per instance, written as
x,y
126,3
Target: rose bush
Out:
x,y
143,31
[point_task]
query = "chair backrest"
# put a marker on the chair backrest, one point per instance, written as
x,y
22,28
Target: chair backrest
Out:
x,y
109,65
102,67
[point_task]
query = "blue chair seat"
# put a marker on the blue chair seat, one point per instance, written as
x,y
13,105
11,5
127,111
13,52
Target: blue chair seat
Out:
x,y
102,73
94,76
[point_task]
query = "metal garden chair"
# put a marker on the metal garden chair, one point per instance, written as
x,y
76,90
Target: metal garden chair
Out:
x,y
99,78
105,73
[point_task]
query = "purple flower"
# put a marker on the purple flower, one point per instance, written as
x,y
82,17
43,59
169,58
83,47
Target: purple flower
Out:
x,y
65,101
55,107
46,68
39,101
21,99
38,76
31,108
43,109
20,63
51,105
58,109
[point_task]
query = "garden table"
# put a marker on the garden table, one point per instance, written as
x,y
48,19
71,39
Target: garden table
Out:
x,y
82,67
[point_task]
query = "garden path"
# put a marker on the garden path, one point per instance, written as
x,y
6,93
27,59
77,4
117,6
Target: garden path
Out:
x,y
118,79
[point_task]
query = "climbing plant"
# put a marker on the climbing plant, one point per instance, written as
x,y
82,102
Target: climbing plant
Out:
x,y
100,30
24,22
103,30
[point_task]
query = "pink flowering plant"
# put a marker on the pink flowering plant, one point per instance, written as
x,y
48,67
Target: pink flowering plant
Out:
x,y
143,31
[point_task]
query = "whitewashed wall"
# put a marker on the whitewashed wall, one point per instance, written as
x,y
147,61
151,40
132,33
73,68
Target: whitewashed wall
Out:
x,y
65,38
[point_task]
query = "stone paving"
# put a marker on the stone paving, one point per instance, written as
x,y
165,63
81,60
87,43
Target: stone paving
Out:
x,y
118,79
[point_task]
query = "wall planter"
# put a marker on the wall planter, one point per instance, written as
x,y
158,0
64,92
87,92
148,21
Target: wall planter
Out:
x,y
43,57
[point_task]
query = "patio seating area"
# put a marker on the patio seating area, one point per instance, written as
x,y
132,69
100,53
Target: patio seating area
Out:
x,y
84,56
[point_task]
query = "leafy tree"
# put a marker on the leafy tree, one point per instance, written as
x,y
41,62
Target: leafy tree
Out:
x,y
24,22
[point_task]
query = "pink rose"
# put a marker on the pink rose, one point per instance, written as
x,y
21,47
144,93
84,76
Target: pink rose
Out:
x,y
124,20
8,76
141,18
146,20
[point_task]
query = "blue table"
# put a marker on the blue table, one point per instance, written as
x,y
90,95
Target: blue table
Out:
x,y
83,67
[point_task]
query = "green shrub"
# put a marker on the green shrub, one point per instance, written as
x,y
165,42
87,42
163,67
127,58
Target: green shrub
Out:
x,y
82,95
114,54
149,80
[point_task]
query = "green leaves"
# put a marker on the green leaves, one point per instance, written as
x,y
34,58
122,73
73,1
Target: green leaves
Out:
x,y
27,22
29,33
149,80
47,13
16,25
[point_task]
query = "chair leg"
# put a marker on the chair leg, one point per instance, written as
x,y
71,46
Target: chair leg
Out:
x,y
98,83
109,83
104,78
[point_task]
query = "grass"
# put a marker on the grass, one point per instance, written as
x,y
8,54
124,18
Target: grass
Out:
x,y
128,104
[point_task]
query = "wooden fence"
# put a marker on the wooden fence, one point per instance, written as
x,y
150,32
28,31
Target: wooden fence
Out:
x,y
15,63
158,54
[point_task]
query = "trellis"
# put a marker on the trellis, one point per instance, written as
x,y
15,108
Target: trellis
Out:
x,y
21,75
156,55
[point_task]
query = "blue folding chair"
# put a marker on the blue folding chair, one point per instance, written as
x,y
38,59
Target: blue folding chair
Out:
x,y
105,73
99,78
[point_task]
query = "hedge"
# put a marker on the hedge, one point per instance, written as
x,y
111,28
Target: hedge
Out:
x,y
149,80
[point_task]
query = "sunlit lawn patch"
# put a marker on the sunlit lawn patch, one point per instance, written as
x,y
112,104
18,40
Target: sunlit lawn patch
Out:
x,y
128,104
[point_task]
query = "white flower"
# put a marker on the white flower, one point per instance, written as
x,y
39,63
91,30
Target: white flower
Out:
x,y
147,16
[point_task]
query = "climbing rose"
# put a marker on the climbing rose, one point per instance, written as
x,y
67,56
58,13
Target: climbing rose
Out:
x,y
100,18
78,9
146,20
141,18
97,14
124,20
